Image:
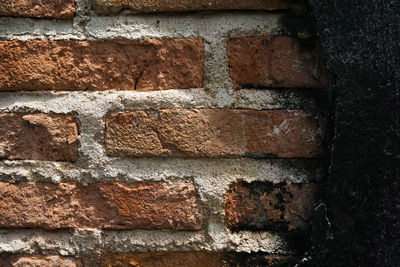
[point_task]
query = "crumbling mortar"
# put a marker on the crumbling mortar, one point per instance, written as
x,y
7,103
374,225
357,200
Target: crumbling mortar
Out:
x,y
211,176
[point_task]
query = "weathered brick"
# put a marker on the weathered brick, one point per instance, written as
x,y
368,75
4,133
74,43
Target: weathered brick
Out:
x,y
264,206
38,261
275,61
196,259
107,205
38,137
143,65
213,133
115,6
165,259
57,9
257,259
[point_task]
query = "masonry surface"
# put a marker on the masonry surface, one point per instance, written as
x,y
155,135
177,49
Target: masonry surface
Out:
x,y
153,134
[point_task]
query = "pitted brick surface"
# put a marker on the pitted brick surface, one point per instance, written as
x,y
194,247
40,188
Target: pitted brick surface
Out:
x,y
38,261
149,6
144,205
65,65
38,137
213,133
164,259
57,9
275,61
263,206
196,259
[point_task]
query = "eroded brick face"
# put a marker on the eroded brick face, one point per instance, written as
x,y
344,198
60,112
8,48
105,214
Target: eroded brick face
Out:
x,y
38,261
264,206
115,6
65,65
149,175
275,61
56,9
213,133
108,205
165,259
38,137
196,259
257,260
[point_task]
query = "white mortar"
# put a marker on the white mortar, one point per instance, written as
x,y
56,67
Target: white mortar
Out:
x,y
212,176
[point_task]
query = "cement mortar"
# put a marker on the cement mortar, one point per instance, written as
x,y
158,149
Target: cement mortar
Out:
x,y
211,176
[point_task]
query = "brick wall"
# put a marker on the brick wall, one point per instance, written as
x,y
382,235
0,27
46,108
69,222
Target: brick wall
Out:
x,y
148,133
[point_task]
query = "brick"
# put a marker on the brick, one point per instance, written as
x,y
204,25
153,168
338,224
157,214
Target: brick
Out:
x,y
38,260
38,137
63,65
258,259
213,133
115,6
106,205
196,259
55,9
165,259
264,206
275,61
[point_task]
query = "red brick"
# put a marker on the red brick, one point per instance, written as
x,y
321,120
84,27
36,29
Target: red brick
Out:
x,y
56,9
38,137
195,259
165,259
213,133
258,259
275,61
142,65
107,205
264,206
115,6
38,260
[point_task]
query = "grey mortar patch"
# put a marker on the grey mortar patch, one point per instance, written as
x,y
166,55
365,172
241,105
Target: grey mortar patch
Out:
x,y
211,176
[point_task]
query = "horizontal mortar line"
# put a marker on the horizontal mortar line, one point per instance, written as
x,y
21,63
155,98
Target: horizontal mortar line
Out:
x,y
163,160
288,171
177,181
48,93
148,26
127,11
104,240
184,98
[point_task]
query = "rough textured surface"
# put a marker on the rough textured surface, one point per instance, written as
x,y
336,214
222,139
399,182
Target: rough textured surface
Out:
x,y
264,206
142,65
275,61
57,9
257,260
213,133
211,176
162,259
38,137
361,47
196,259
151,205
115,6
38,261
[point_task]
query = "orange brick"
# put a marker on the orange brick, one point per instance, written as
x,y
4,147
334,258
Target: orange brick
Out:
x,y
107,205
165,259
38,137
213,133
275,61
38,260
63,65
55,9
195,259
115,6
